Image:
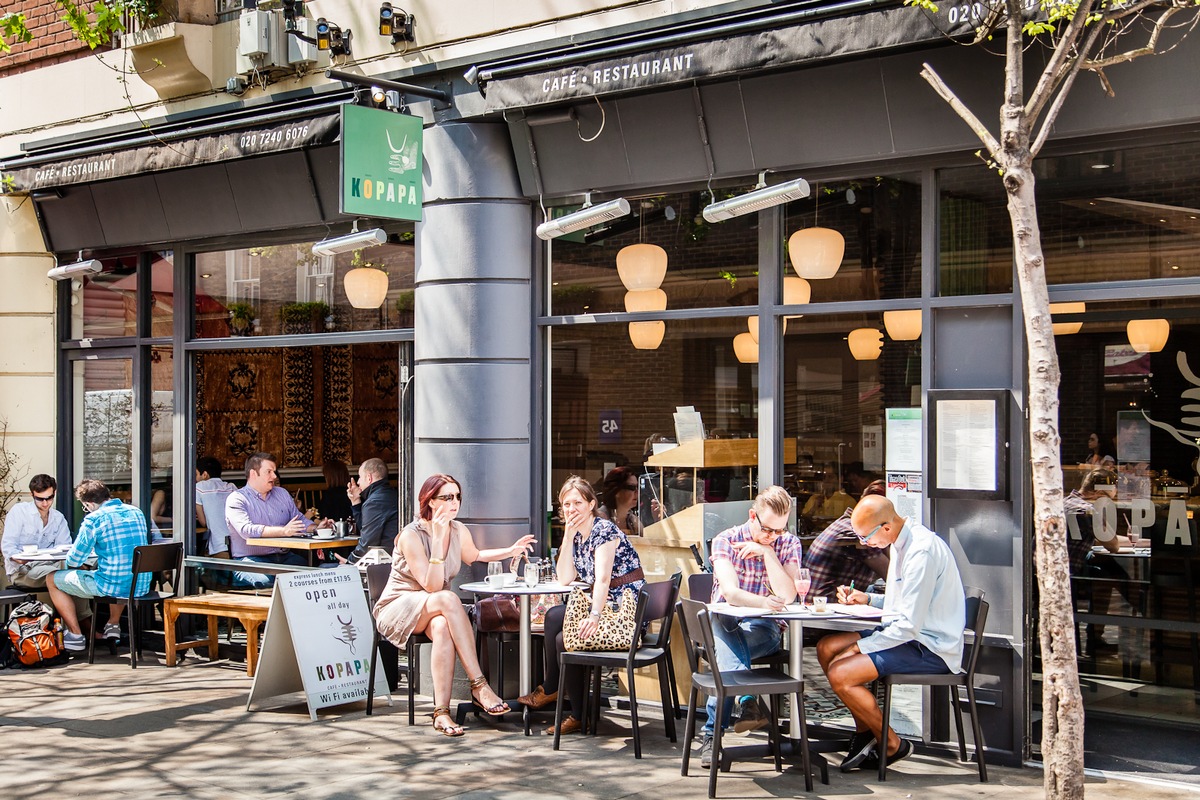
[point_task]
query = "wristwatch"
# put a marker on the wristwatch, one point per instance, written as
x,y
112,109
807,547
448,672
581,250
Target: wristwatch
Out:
x,y
595,614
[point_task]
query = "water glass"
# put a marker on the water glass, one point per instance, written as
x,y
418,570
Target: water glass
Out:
x,y
495,574
819,604
532,567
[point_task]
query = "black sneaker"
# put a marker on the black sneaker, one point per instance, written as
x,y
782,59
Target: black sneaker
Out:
x,y
906,750
871,762
861,745
750,717
706,748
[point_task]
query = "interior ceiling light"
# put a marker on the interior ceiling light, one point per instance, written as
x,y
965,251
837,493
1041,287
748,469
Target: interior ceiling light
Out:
x,y
585,217
1067,328
745,348
865,343
903,326
816,252
752,325
642,266
1148,335
761,197
647,335
645,300
366,287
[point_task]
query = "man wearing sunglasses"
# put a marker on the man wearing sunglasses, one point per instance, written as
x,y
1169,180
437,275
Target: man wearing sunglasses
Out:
x,y
755,565
924,612
34,523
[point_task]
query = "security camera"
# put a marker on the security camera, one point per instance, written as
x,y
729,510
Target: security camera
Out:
x,y
64,272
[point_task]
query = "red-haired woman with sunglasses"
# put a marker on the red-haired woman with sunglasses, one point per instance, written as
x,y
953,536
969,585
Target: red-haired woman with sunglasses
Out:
x,y
418,599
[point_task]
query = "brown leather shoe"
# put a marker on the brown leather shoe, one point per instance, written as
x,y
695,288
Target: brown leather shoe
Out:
x,y
569,725
537,699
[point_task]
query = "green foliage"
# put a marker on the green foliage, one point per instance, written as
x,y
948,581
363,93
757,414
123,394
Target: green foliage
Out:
x,y
357,260
13,29
405,301
927,5
105,20
241,311
304,312
730,277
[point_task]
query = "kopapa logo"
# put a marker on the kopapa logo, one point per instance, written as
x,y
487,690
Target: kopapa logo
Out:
x,y
404,157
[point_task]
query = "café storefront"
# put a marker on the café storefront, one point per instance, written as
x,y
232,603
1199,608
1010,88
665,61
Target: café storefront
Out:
x,y
525,362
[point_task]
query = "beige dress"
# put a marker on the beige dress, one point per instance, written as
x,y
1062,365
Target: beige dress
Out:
x,y
403,598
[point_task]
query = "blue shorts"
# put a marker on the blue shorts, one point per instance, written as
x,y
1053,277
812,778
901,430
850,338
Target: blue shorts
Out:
x,y
78,583
910,658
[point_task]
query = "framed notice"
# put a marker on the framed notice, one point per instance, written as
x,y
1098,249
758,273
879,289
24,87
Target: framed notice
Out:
x,y
968,443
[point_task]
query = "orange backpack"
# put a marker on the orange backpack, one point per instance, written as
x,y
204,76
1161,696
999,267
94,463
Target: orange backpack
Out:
x,y
36,633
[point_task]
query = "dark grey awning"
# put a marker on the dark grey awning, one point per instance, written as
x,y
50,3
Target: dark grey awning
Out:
x,y
161,154
818,33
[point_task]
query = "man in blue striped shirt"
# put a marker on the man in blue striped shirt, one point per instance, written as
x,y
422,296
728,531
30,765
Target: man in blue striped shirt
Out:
x,y
260,509
924,613
110,531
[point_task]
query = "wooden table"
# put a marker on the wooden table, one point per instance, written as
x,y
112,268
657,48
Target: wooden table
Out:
x,y
311,545
248,609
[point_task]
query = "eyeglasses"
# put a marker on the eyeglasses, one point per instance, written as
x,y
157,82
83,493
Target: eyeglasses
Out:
x,y
446,498
771,531
631,487
47,499
867,539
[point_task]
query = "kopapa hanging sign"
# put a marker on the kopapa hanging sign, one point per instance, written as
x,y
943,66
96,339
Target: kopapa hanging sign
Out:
x,y
381,163
318,641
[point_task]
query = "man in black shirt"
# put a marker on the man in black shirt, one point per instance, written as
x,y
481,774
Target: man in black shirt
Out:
x,y
376,508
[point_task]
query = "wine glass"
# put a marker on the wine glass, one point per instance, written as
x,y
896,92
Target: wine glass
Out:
x,y
803,584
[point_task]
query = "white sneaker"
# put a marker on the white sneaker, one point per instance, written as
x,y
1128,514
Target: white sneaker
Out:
x,y
112,631
74,641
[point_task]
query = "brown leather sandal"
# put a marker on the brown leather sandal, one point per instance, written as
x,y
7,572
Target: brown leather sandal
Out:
x,y
450,730
498,710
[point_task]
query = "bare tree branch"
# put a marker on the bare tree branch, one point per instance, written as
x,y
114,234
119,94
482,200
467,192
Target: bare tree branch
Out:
x,y
946,93
1047,123
1148,49
1058,68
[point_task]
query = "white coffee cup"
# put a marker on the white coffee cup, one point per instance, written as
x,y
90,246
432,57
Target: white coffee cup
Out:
x,y
510,578
323,533
29,548
495,581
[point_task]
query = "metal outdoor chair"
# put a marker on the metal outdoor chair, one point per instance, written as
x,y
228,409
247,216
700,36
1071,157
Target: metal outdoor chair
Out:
x,y
656,603
977,611
377,578
700,588
764,681
147,558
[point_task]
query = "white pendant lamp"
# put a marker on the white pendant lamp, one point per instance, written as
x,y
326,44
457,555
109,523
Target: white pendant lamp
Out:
x,y
816,253
1148,335
642,266
647,335
646,300
752,325
366,287
903,326
745,348
865,343
1067,328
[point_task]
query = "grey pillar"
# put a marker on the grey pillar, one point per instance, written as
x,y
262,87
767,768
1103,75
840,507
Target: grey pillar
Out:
x,y
474,263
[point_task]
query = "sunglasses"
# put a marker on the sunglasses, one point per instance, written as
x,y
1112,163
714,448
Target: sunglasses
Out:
x,y
771,531
446,498
47,499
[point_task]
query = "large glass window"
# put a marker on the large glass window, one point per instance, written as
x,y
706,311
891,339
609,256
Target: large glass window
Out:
x,y
286,289
706,264
103,422
879,221
1129,432
104,304
1107,215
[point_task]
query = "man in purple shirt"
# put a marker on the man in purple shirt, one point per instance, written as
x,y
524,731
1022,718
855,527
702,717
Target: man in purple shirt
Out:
x,y
259,510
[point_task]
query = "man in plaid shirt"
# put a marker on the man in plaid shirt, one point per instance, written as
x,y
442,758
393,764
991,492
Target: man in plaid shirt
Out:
x,y
755,565
110,531
837,558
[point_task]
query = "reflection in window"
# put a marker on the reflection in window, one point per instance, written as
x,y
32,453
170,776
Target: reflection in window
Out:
x,y
103,423
1128,214
105,305
707,264
286,289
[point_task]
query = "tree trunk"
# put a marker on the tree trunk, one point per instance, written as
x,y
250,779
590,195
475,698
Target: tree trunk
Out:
x,y
1062,706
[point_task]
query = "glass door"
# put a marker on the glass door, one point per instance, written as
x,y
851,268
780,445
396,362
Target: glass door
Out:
x,y
103,423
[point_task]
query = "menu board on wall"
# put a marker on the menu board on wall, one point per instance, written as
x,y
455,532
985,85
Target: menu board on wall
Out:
x,y
968,445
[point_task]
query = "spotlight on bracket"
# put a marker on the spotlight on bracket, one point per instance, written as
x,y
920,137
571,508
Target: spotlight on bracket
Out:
x,y
355,240
471,76
80,267
585,217
761,197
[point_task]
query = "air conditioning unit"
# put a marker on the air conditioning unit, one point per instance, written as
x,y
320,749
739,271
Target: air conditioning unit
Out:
x,y
254,34
298,52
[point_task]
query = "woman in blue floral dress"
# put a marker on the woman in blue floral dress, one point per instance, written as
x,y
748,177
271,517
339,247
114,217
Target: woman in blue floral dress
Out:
x,y
593,551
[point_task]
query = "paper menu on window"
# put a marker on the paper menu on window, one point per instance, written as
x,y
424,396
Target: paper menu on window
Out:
x,y
688,425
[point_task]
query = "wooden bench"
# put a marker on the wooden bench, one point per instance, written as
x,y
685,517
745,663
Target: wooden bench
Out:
x,y
250,610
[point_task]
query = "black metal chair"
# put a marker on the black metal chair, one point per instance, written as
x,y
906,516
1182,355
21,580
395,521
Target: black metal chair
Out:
x,y
977,611
656,603
700,588
377,578
147,558
765,681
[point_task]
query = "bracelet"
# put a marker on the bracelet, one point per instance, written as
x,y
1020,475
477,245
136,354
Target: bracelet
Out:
x,y
433,561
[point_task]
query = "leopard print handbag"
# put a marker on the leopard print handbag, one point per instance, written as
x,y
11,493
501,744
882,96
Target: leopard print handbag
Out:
x,y
618,625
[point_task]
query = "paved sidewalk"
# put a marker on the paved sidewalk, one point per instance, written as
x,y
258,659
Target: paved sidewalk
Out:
x,y
108,731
